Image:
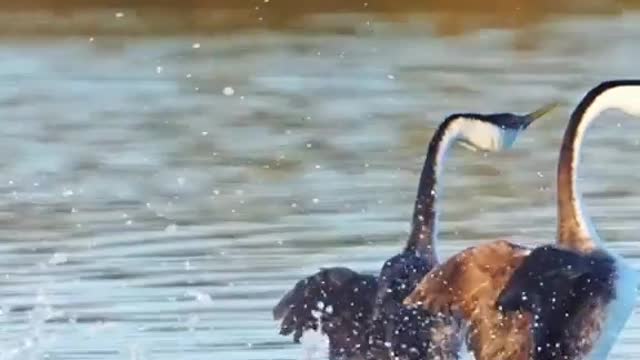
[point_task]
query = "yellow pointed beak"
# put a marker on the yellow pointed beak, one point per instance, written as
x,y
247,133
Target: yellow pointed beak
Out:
x,y
545,109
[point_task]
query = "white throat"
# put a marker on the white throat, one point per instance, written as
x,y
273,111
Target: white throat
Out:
x,y
625,98
475,135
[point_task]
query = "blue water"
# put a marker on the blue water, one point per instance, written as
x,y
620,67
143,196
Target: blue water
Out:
x,y
149,213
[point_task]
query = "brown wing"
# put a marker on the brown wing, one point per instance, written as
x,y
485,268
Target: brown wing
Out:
x,y
468,285
337,300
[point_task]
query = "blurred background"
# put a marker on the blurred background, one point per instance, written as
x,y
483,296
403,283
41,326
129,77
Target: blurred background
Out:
x,y
171,168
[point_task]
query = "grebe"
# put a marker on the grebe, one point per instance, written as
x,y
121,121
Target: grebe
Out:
x,y
362,315
568,301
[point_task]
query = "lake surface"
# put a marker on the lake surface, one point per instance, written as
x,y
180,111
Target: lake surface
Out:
x,y
158,194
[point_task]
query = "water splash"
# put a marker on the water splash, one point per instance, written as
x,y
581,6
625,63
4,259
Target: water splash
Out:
x,y
315,346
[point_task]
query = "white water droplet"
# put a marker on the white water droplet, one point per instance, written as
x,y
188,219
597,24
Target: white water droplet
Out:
x,y
316,314
119,14
228,91
58,258
159,69
196,45
201,297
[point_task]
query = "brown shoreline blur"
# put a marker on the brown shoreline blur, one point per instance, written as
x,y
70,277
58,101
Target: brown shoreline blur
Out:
x,y
311,6
166,17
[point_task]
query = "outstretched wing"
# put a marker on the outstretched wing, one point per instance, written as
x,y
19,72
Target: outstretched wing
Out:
x,y
338,301
467,285
469,280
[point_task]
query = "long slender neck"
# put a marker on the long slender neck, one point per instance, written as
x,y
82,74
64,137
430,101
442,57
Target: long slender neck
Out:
x,y
574,227
425,214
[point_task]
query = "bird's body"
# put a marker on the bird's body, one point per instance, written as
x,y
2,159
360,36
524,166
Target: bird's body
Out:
x,y
568,294
566,301
362,315
409,333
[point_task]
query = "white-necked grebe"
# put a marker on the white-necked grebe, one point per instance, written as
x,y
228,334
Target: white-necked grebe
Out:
x,y
568,301
362,315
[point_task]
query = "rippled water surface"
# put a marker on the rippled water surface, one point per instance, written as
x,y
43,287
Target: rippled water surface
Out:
x,y
158,194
